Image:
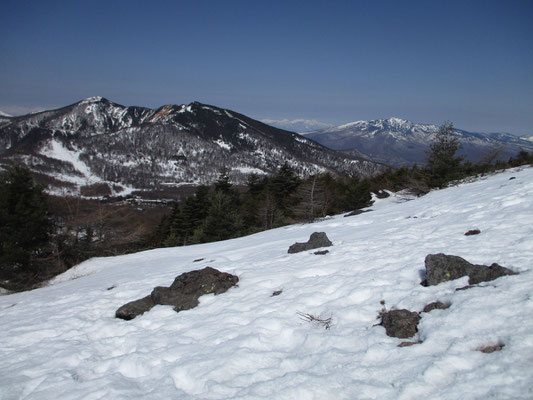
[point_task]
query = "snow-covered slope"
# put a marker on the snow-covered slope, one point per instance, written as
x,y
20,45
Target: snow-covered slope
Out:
x,y
63,342
400,142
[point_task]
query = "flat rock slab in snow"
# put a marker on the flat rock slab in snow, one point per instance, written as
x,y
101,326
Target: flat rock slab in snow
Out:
x,y
183,294
443,268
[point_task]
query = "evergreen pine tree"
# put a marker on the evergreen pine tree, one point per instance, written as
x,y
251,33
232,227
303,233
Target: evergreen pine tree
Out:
x,y
284,185
223,184
443,166
358,194
176,229
251,203
222,221
24,224
194,213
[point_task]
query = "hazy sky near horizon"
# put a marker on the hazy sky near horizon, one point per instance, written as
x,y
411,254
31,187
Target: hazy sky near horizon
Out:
x,y
469,62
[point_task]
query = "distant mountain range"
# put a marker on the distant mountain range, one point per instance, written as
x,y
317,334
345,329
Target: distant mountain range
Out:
x,y
297,125
398,142
96,141
3,114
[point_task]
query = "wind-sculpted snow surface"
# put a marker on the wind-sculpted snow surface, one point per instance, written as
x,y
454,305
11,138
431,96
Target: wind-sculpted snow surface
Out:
x,y
64,342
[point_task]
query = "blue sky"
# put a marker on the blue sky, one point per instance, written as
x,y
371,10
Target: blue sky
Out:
x,y
470,62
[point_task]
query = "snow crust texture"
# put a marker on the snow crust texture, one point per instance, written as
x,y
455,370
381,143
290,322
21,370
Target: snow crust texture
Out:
x,y
63,341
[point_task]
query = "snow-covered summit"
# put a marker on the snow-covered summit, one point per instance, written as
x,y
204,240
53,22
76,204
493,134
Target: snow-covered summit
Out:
x,y
94,99
399,142
249,344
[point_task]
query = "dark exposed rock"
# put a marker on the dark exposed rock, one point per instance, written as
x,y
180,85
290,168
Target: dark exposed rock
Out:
x,y
436,305
321,252
491,349
277,292
356,212
400,323
317,240
382,194
473,232
442,268
407,344
204,281
133,308
184,292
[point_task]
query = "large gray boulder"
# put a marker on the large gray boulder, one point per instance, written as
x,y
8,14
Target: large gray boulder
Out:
x,y
184,292
442,268
317,240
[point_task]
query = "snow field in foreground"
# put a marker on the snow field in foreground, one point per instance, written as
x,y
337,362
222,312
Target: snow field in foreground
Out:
x,y
63,342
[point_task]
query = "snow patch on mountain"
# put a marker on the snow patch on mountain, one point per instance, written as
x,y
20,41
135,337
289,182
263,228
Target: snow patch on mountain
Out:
x,y
223,144
94,99
248,170
55,149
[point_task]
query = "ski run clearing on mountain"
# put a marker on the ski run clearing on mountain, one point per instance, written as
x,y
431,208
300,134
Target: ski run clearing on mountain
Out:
x,y
64,342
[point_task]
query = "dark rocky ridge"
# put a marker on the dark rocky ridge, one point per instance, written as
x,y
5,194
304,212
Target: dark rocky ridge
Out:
x,y
99,141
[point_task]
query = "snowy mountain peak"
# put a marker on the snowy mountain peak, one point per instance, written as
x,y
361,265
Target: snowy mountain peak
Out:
x,y
164,147
399,142
3,114
391,123
94,99
398,121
